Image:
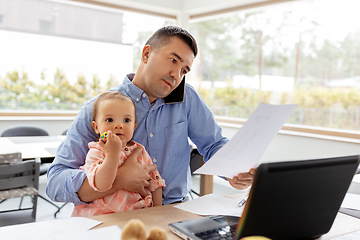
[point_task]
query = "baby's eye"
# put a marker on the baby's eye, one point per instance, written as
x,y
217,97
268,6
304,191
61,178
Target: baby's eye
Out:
x,y
127,120
109,120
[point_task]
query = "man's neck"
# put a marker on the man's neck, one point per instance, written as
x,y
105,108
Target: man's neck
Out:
x,y
137,82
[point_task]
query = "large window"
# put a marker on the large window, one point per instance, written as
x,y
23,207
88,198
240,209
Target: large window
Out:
x,y
56,55
305,52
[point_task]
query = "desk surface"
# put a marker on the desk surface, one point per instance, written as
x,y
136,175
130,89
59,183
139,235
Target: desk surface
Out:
x,y
30,147
161,216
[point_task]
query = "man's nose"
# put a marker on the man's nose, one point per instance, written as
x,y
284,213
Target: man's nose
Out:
x,y
176,74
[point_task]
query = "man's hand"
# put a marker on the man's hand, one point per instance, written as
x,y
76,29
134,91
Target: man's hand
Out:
x,y
133,176
243,180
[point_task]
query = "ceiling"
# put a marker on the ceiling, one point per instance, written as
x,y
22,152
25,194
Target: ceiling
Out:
x,y
183,10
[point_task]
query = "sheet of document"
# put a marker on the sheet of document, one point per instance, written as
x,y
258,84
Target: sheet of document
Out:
x,y
356,178
108,233
351,201
247,146
47,230
213,205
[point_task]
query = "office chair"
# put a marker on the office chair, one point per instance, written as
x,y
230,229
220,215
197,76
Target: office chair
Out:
x,y
18,179
196,160
32,131
23,131
65,132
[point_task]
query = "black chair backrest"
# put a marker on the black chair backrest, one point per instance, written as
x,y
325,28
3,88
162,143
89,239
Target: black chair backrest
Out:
x,y
65,132
22,131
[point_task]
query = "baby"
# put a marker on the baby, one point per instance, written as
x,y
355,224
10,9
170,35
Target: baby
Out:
x,y
115,114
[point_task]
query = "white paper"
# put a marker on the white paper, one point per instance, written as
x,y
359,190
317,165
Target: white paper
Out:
x,y
356,178
108,233
47,230
351,201
246,148
213,205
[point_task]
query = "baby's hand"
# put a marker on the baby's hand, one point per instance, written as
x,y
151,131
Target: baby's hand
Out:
x,y
110,142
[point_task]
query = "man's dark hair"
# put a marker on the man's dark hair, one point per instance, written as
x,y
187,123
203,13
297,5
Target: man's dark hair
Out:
x,y
163,36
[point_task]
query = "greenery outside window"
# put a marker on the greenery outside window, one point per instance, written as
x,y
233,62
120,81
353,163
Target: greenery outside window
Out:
x,y
55,55
304,52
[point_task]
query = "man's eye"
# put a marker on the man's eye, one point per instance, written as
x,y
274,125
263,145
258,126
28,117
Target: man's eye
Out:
x,y
173,60
109,120
184,71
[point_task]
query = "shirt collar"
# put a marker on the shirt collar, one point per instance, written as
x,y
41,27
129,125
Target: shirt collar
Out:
x,y
176,96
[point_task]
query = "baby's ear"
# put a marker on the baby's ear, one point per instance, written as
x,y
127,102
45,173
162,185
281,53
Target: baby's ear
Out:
x,y
157,233
95,127
134,230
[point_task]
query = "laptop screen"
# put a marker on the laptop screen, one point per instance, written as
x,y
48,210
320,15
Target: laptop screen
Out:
x,y
296,200
288,200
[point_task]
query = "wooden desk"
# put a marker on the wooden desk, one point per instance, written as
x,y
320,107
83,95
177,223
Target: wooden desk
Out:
x,y
161,216
30,147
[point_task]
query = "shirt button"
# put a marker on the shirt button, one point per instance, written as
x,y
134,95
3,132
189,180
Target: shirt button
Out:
x,y
154,160
151,135
144,95
137,99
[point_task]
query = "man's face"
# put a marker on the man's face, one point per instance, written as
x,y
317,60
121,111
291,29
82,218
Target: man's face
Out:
x,y
165,68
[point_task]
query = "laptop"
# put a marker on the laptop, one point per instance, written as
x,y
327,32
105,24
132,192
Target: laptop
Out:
x,y
288,200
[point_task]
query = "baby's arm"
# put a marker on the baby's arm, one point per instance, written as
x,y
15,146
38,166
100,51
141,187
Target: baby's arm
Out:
x,y
157,197
106,173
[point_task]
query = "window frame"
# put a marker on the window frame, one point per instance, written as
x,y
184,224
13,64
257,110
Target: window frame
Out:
x,y
289,129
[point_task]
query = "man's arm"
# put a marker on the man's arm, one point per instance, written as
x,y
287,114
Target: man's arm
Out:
x,y
64,176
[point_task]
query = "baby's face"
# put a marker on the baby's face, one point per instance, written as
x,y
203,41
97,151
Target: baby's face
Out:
x,y
118,116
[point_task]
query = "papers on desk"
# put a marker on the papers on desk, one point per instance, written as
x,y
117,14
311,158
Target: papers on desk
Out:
x,y
352,198
246,148
64,229
213,205
30,147
351,201
356,178
108,233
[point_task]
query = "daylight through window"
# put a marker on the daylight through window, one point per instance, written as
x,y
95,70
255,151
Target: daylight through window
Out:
x,y
305,52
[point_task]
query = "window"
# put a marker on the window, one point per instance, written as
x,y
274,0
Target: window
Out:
x,y
304,52
56,55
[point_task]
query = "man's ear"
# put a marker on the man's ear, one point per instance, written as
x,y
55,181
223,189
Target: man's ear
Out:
x,y
95,127
146,53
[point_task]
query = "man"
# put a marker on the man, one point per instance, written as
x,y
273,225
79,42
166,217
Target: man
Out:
x,y
169,111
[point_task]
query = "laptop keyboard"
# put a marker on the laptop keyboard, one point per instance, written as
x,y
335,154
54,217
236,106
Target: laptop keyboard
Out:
x,y
227,232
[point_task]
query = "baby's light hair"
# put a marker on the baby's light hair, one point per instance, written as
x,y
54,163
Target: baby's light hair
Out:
x,y
110,95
